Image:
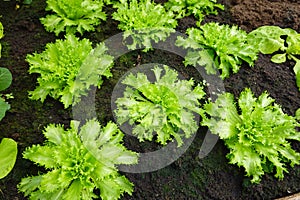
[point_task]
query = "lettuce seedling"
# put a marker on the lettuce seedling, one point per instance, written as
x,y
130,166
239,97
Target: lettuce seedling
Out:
x,y
73,16
256,131
79,160
165,107
218,46
144,22
193,7
285,43
68,68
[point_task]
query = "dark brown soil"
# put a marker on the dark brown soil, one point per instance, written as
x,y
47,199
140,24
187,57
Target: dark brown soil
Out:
x,y
188,177
252,14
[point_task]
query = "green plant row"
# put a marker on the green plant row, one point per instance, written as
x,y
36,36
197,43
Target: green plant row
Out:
x,y
146,22
8,147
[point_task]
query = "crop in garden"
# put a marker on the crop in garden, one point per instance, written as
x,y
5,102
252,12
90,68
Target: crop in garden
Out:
x,y
73,16
256,131
165,107
81,159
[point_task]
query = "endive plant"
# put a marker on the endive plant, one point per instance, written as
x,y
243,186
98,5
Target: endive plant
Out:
x,y
73,16
218,47
166,107
256,131
144,22
78,161
68,68
193,7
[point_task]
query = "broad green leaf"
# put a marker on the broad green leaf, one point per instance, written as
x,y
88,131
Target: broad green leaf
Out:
x,y
293,42
297,67
267,39
1,31
5,78
279,58
4,106
297,73
297,114
269,45
8,156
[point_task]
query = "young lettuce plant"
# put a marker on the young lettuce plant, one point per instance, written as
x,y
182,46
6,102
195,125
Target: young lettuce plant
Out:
x,y
68,68
144,22
79,161
193,7
285,43
165,107
73,16
218,46
256,131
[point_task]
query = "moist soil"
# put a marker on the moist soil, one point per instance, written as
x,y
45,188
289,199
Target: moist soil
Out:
x,y
189,177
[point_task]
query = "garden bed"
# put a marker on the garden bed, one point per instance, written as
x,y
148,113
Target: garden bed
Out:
x,y
189,177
